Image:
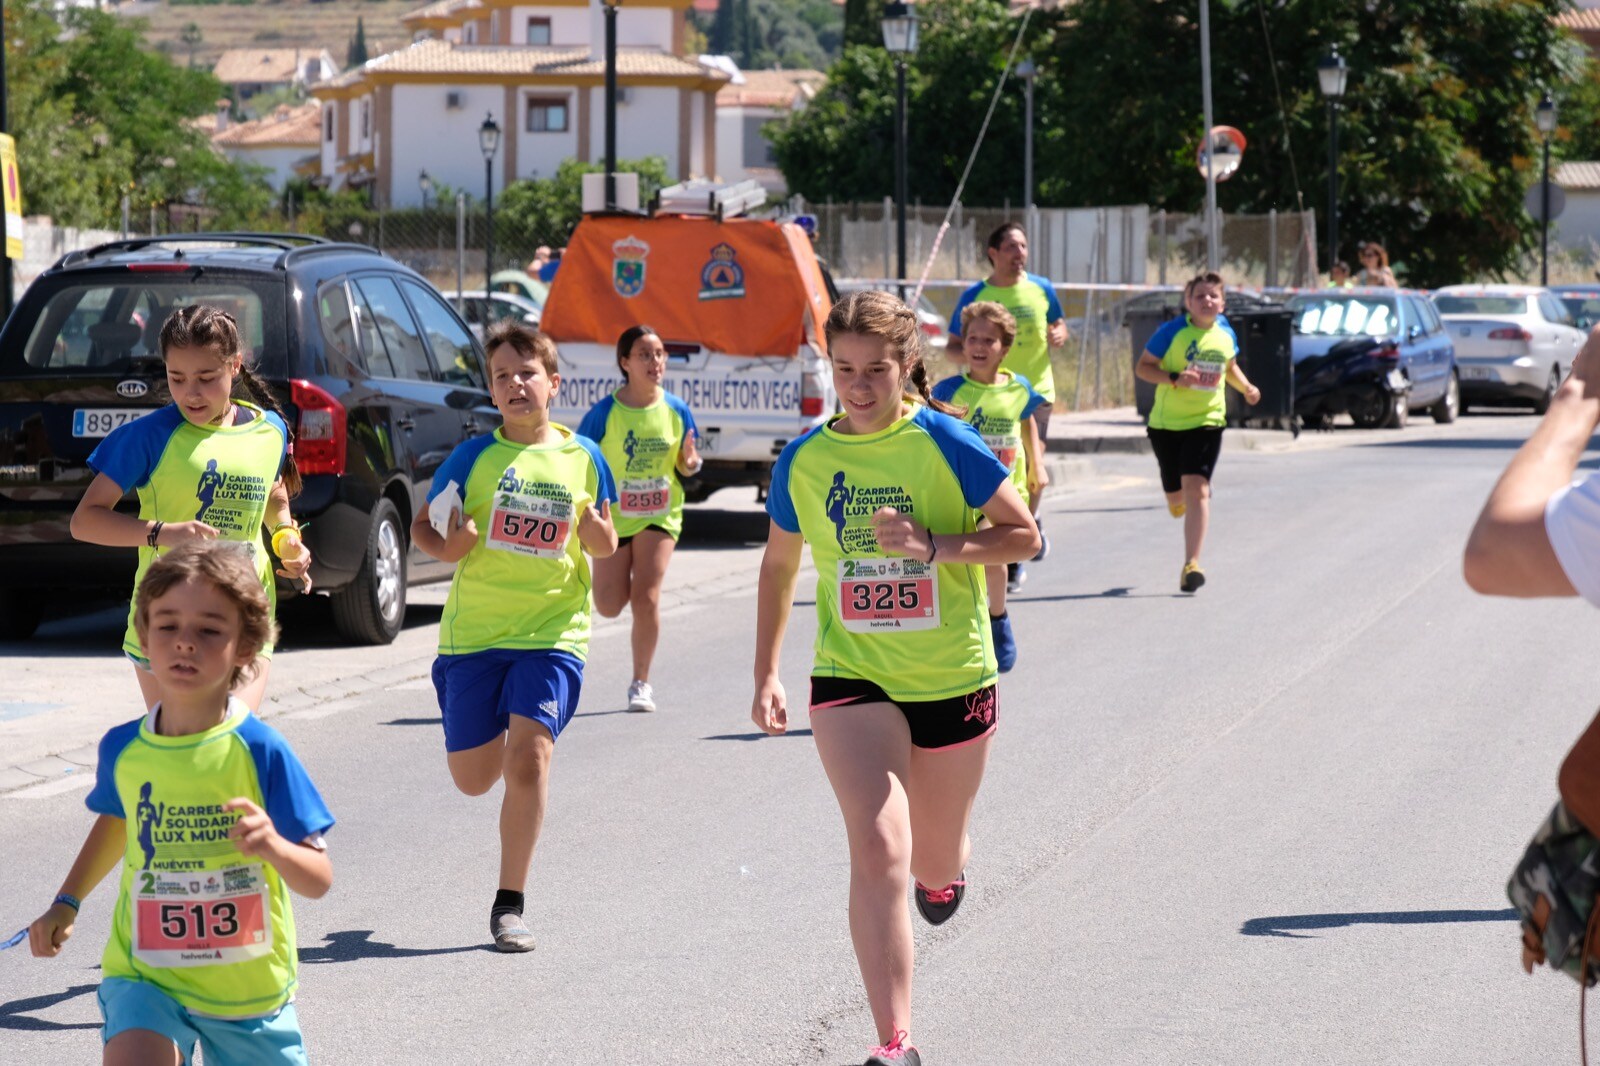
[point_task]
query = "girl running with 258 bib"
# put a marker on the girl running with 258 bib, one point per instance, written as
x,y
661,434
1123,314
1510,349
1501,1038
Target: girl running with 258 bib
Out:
x,y
903,703
647,436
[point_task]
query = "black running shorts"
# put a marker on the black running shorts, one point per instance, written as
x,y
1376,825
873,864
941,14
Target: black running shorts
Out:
x,y
1185,451
947,723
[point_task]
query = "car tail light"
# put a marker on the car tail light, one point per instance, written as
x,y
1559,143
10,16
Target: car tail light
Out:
x,y
161,268
1386,351
1511,333
319,439
933,329
812,401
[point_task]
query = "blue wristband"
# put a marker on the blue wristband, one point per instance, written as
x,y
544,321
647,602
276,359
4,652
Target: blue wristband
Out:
x,y
71,901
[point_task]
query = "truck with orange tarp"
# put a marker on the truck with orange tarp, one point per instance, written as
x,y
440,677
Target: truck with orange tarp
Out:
x,y
740,304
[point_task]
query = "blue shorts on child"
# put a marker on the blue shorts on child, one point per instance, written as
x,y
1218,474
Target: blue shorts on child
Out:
x,y
271,1040
481,690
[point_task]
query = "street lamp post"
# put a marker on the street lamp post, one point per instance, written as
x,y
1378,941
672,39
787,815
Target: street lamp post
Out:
x,y
1545,116
489,141
1027,72
1331,76
900,40
610,7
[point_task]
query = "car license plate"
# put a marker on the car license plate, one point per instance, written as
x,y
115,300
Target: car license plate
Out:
x,y
706,440
99,421
1474,373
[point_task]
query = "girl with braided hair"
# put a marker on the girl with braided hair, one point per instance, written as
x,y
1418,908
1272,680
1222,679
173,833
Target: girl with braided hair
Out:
x,y
205,467
903,685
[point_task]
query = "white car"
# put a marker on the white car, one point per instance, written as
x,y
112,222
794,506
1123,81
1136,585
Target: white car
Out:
x,y
1514,343
483,309
929,320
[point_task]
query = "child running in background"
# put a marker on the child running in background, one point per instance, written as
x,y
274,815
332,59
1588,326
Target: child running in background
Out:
x,y
205,467
647,436
516,625
903,703
202,942
999,404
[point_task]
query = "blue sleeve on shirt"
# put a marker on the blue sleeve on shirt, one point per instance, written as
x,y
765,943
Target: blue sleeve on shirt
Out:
x,y
1222,320
780,504
961,305
1034,399
593,425
130,454
605,485
287,794
276,421
1053,314
458,467
975,466
103,798
945,390
1161,339
684,414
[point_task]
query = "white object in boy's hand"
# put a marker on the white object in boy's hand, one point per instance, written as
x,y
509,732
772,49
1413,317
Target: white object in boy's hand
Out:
x,y
441,506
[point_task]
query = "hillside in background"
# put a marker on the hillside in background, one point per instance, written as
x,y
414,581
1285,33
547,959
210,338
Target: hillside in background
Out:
x,y
271,24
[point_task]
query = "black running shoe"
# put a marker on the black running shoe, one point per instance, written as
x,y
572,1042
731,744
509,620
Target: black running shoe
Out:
x,y
1192,578
1044,543
895,1053
938,904
1016,576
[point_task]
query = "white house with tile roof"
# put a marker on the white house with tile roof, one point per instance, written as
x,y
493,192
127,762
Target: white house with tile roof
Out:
x,y
420,108
745,106
249,71
286,142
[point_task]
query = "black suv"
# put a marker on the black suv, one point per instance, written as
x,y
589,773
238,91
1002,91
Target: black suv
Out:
x,y
378,376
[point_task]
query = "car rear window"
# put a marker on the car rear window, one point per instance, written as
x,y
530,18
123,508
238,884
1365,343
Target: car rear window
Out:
x,y
1349,316
107,325
1481,305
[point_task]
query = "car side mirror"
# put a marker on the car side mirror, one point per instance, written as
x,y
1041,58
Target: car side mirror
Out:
x,y
1413,333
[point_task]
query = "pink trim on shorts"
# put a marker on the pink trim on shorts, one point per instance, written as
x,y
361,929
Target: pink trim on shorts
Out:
x,y
836,703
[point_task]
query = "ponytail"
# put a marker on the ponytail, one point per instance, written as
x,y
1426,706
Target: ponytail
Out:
x,y
257,391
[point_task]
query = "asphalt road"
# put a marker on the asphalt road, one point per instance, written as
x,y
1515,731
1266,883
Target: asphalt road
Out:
x,y
1270,823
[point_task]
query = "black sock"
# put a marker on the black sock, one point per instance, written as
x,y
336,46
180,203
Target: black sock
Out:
x,y
998,617
505,899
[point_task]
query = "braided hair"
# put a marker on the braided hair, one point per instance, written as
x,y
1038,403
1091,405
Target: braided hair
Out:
x,y
205,326
871,313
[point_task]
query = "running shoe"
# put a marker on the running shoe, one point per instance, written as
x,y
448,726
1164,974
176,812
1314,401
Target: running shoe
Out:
x,y
1193,577
1044,541
641,697
938,904
1005,645
510,932
895,1053
1016,576
1177,510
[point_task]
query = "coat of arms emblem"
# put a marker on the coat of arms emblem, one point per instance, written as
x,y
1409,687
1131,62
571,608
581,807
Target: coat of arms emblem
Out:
x,y
627,265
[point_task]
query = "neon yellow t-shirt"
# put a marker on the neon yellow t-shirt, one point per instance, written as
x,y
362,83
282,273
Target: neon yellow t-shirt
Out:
x,y
221,476
1180,344
525,584
996,412
1032,302
918,631
641,446
195,917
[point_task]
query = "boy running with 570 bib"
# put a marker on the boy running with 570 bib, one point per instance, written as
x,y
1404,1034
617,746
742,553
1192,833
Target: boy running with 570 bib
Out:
x,y
521,505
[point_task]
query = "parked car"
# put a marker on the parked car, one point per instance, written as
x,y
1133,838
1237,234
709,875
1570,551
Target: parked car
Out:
x,y
1582,303
518,283
483,309
1513,342
1375,354
935,327
379,379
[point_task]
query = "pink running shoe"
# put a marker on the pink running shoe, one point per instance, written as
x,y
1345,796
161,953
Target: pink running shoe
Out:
x,y
938,904
895,1053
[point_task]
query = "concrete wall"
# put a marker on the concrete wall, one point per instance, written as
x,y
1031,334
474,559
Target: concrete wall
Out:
x,y
539,154
646,125
1578,228
569,26
644,27
279,160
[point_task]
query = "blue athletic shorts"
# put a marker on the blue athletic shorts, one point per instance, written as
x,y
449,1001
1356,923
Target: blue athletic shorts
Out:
x,y
480,691
271,1040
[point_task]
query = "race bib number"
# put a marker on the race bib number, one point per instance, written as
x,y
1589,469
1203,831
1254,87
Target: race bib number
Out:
x,y
530,525
201,919
1210,375
880,595
1005,449
645,497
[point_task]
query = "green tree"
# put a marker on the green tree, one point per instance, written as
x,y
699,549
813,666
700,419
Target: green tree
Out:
x,y
537,211
356,54
191,37
862,23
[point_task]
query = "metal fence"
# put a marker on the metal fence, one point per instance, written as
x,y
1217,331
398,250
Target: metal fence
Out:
x,y
1108,245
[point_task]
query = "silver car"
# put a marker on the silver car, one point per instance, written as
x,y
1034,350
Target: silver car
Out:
x,y
1513,343
483,309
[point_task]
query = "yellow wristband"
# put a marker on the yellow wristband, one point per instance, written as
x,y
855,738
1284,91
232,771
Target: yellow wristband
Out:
x,y
282,533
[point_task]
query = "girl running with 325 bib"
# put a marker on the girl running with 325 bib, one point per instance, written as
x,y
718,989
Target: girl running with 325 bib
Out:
x,y
205,467
647,436
903,704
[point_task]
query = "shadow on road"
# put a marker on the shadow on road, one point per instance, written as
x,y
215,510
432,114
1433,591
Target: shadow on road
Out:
x,y
414,721
710,529
1283,924
756,735
1119,593
357,945
12,1014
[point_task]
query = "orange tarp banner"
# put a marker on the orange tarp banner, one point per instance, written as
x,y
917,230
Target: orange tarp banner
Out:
x,y
740,287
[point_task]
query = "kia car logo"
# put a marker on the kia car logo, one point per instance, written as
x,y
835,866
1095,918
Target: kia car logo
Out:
x,y
132,390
